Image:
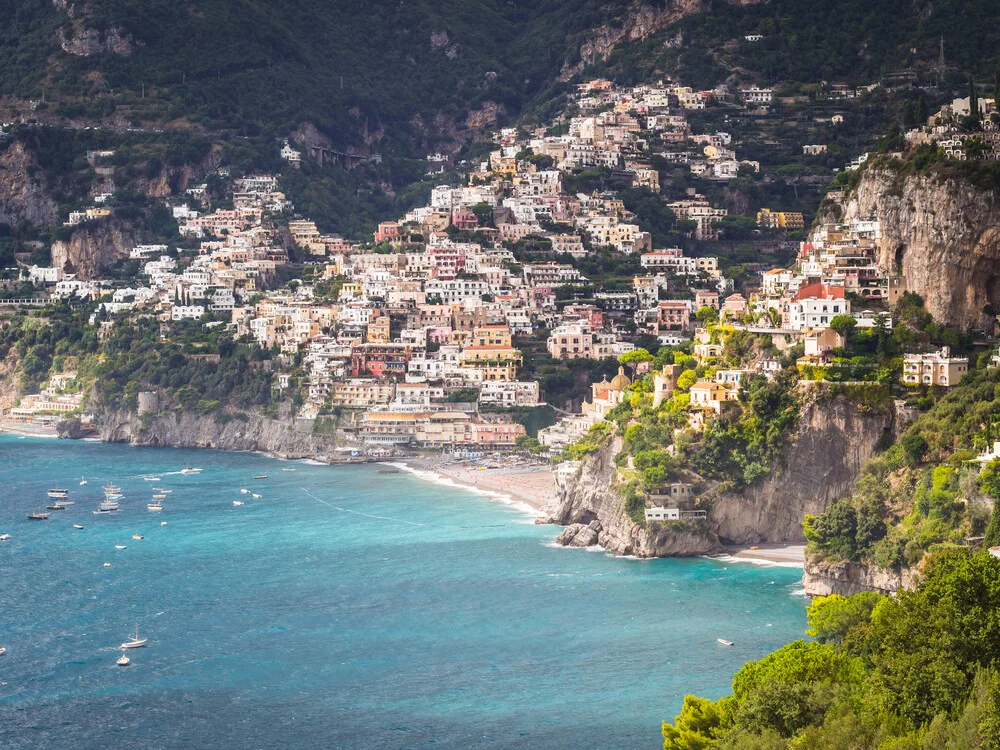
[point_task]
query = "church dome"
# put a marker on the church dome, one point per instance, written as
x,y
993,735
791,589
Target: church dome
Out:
x,y
620,381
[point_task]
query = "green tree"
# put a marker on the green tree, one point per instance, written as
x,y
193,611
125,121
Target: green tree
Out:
x,y
686,379
635,357
844,325
830,618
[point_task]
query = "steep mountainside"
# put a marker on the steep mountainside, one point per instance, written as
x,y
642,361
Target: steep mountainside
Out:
x,y
834,439
941,234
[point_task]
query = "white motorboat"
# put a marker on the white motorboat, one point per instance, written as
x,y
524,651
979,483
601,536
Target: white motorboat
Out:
x,y
160,489
107,565
255,496
38,516
83,481
123,661
237,502
121,546
77,526
163,523
288,469
3,651
191,471
154,507
261,476
5,537
107,506
724,642
65,503
138,536
244,491
136,642
152,479
58,494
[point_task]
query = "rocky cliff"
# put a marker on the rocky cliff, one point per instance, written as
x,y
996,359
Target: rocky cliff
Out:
x,y
595,514
297,439
93,247
942,235
834,438
22,197
846,578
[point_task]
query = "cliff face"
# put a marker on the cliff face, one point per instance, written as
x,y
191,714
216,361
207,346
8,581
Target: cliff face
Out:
x,y
833,440
847,578
94,247
22,198
942,236
279,438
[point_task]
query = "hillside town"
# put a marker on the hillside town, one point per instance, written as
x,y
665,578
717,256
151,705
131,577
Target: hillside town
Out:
x,y
414,339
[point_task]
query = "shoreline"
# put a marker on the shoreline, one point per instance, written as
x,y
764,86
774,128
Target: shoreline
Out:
x,y
531,486
784,555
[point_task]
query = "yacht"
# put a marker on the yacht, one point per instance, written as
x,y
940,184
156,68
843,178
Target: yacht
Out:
x,y
255,496
111,492
38,516
5,537
191,471
123,661
136,642
237,502
58,494
155,506
244,491
107,506
55,507
77,526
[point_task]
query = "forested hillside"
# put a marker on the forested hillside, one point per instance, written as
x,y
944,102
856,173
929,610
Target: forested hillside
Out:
x,y
406,76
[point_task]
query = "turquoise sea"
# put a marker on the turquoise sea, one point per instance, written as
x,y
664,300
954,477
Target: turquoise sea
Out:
x,y
342,609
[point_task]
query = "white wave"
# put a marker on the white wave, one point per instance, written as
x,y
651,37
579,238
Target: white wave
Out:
x,y
312,462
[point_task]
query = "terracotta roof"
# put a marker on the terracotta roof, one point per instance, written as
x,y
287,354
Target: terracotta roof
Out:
x,y
820,291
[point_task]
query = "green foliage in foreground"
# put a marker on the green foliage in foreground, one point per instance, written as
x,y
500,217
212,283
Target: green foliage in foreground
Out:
x,y
918,671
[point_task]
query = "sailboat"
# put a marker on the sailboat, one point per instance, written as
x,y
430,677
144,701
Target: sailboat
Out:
x,y
136,642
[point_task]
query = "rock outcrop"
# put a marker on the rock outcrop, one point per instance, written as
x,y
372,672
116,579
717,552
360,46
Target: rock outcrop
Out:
x,y
847,578
93,247
941,235
300,439
834,439
595,514
22,197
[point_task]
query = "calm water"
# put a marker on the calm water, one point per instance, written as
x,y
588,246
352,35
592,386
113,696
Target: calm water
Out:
x,y
343,609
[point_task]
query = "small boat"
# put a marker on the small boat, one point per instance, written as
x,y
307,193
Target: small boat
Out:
x,y
288,469
59,494
159,497
65,503
123,661
107,565
261,476
136,642
5,537
55,507
152,479
237,502
191,471
163,523
77,526
138,536
121,546
724,642
3,651
38,516
83,481
244,491
154,507
255,496
160,489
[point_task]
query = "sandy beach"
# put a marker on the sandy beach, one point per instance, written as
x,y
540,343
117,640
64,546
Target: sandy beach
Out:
x,y
784,554
532,485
